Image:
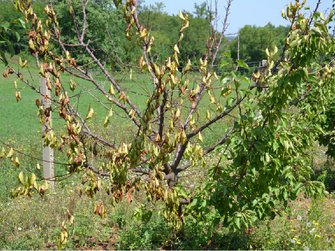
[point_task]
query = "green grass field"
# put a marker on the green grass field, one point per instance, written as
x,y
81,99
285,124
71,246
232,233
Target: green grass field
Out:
x,y
20,119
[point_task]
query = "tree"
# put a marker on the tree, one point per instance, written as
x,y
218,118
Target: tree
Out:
x,y
254,40
265,137
14,28
103,25
160,24
165,30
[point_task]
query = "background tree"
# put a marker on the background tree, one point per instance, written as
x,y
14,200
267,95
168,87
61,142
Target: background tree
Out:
x,y
254,40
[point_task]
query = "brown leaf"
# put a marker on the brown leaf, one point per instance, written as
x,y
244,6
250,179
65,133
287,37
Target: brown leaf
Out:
x,y
190,96
167,79
75,138
133,116
140,62
60,147
5,74
158,138
47,111
80,159
128,27
32,34
129,199
38,102
182,90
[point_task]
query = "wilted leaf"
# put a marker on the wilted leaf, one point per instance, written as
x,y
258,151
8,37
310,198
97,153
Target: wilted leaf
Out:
x,y
16,161
129,198
10,154
20,178
90,114
176,48
3,152
180,14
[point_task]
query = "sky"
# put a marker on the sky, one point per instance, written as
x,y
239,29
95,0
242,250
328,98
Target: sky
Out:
x,y
244,12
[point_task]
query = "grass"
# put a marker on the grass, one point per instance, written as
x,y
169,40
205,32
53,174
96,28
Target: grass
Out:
x,y
307,224
21,117
35,223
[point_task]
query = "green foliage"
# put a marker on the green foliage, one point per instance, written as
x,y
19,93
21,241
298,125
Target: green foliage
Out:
x,y
268,161
5,40
13,28
165,30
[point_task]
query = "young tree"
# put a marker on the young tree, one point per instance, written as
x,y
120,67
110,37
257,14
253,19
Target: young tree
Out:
x,y
265,137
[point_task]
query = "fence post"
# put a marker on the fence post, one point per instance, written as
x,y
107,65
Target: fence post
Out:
x,y
48,154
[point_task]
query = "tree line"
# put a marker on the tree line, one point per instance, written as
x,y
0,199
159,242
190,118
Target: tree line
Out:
x,y
105,24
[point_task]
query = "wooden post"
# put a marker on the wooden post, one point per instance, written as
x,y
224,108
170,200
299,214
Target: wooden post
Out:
x,y
48,154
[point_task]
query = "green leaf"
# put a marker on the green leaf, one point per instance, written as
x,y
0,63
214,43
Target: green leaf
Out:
x,y
5,26
147,216
224,64
194,202
267,157
225,80
245,79
182,191
300,18
9,45
242,64
259,146
224,190
226,54
286,145
116,2
17,35
258,131
317,31
233,74
275,145
231,100
4,57
238,222
20,22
